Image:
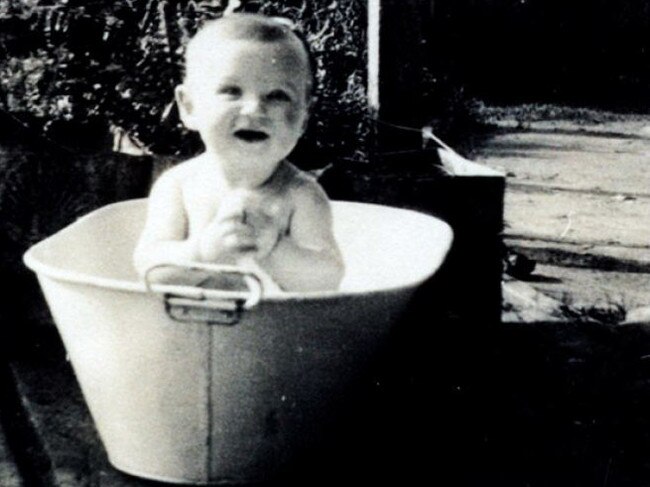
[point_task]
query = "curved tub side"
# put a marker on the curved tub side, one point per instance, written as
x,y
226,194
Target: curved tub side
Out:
x,y
146,380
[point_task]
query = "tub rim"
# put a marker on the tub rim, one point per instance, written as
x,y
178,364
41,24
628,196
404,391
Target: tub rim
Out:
x,y
76,277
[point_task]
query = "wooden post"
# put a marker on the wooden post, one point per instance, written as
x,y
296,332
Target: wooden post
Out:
x,y
397,54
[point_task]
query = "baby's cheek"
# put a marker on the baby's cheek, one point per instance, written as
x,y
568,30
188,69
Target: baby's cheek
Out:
x,y
294,115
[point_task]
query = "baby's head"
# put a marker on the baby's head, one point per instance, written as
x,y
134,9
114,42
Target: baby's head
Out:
x,y
252,28
247,90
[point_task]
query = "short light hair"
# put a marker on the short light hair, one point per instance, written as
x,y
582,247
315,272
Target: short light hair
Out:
x,y
251,27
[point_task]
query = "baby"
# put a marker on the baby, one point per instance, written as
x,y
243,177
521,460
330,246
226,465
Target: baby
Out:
x,y
246,91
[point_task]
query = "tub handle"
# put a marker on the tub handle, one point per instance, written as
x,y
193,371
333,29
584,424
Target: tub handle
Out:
x,y
188,303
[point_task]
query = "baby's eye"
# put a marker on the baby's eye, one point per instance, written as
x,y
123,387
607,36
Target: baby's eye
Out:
x,y
232,91
278,95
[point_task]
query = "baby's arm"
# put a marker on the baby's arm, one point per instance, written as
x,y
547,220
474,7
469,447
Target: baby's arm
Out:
x,y
308,258
164,237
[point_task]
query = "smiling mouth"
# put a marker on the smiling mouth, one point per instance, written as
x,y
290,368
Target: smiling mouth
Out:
x,y
248,135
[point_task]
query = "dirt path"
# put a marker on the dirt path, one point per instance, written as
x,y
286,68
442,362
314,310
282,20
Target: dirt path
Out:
x,y
578,197
575,187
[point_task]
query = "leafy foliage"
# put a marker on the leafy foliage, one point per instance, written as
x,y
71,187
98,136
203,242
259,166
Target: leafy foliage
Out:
x,y
76,68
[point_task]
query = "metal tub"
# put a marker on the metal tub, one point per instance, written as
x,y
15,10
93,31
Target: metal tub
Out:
x,y
193,386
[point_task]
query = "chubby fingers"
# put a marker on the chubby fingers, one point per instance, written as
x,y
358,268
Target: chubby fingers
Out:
x,y
238,237
226,240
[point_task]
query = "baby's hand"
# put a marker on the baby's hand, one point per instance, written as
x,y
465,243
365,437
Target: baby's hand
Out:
x,y
227,241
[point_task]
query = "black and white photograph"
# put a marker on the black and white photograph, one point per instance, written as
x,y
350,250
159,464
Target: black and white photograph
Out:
x,y
282,243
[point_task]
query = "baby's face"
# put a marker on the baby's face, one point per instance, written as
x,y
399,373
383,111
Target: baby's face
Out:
x,y
248,101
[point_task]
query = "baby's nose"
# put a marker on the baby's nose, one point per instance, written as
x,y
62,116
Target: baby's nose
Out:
x,y
253,105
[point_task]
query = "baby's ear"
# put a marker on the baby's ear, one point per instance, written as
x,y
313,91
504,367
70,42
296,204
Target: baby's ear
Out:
x,y
185,106
305,122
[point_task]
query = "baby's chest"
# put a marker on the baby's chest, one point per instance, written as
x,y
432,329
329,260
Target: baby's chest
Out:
x,y
259,209
201,204
268,211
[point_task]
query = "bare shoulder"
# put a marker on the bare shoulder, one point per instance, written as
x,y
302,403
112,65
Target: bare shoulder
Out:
x,y
169,187
305,189
178,174
312,219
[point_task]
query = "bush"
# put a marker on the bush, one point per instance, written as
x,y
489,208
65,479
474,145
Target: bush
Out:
x,y
77,68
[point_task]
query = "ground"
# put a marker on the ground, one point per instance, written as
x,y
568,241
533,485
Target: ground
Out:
x,y
577,199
